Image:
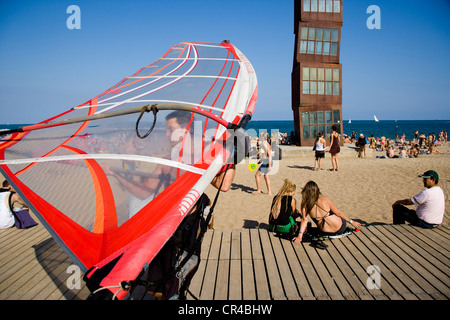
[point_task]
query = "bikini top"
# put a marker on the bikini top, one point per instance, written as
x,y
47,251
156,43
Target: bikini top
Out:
x,y
317,219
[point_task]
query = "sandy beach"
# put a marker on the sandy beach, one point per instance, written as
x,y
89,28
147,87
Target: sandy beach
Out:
x,y
364,189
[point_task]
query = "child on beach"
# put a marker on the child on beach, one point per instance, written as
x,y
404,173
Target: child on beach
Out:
x,y
319,147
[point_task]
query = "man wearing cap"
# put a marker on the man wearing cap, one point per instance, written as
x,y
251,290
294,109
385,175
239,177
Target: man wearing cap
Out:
x,y
430,204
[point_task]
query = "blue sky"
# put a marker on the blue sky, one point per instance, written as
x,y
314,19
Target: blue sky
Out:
x,y
400,71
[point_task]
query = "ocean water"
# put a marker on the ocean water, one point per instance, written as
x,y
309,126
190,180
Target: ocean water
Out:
x,y
367,127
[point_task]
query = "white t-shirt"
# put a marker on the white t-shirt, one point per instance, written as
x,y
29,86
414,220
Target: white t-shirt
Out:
x,y
6,216
431,205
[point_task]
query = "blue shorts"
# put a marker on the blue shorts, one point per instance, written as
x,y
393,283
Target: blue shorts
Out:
x,y
264,167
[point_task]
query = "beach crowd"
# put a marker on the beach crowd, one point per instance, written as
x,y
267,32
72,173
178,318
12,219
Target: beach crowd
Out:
x,y
399,147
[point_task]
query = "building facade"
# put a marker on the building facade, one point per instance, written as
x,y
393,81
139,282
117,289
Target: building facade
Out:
x,y
317,73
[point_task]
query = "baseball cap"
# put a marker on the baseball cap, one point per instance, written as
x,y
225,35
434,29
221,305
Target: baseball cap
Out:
x,y
430,174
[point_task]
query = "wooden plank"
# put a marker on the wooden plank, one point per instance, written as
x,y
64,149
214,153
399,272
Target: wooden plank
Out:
x,y
223,270
253,264
41,280
336,274
368,244
445,228
23,254
275,285
235,290
314,282
360,253
197,281
352,271
209,281
261,282
323,274
402,263
16,283
284,270
23,269
298,274
57,287
248,275
434,236
434,256
441,232
20,242
428,277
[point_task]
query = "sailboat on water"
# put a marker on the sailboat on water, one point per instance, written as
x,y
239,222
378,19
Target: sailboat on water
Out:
x,y
375,118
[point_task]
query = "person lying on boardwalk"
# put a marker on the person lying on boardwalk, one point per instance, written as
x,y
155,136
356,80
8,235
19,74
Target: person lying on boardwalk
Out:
x,y
430,204
328,218
284,209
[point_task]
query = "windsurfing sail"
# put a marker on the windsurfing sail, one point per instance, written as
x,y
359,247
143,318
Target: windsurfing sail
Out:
x,y
375,118
105,194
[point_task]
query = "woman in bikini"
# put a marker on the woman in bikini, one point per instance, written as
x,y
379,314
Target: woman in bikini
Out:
x,y
323,212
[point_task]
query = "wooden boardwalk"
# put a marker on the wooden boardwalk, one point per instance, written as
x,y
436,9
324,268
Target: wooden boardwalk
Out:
x,y
252,264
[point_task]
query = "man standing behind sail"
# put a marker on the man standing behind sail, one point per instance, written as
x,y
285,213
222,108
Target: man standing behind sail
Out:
x,y
179,120
144,190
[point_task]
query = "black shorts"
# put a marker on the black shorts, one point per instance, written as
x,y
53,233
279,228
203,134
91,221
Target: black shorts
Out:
x,y
320,154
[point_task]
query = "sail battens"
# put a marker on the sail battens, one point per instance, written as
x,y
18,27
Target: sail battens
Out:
x,y
123,157
190,76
